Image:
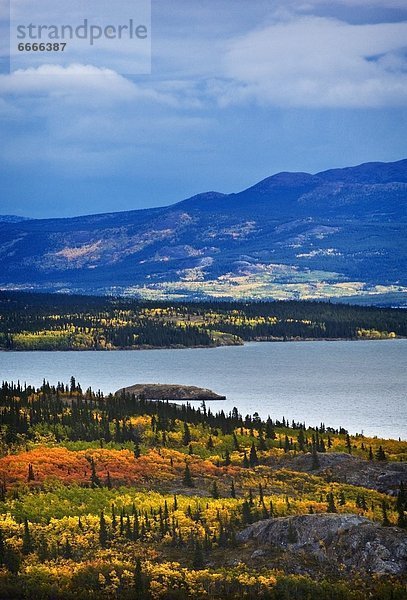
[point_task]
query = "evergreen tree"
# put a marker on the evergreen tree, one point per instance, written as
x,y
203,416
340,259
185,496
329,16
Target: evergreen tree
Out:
x,y
315,458
301,441
246,513
262,443
246,463
331,508
103,535
380,454
94,479
215,491
198,558
253,458
187,479
12,560
31,475
141,583
270,433
27,546
136,527
232,490
186,438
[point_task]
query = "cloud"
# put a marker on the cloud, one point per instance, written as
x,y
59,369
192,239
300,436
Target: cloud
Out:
x,y
318,62
80,83
88,118
85,119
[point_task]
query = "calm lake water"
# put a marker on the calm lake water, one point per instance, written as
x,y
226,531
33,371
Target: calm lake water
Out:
x,y
361,386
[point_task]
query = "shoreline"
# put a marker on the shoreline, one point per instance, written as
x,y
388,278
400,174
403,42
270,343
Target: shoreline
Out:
x,y
179,347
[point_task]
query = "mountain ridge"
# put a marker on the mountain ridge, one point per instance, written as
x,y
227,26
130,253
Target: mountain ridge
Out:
x,y
336,233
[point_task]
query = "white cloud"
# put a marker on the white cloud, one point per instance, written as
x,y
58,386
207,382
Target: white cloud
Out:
x,y
80,83
315,61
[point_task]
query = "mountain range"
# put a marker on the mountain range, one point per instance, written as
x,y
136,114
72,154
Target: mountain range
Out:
x,y
339,233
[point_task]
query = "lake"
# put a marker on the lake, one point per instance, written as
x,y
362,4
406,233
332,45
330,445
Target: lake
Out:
x,y
360,385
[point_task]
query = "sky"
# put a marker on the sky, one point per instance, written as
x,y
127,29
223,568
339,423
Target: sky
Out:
x,y
238,91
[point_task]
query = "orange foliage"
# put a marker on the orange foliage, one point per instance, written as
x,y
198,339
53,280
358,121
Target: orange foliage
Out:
x,y
74,466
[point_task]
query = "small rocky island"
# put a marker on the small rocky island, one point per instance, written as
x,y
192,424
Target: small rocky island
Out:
x,y
171,392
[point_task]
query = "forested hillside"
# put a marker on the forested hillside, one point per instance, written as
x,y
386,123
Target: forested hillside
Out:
x,y
118,497
63,322
335,234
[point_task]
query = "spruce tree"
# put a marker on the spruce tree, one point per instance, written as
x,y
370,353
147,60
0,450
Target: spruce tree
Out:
x,y
27,546
186,438
31,475
301,441
141,584
315,458
246,513
253,458
94,479
187,479
198,558
331,508
103,535
235,443
348,444
380,454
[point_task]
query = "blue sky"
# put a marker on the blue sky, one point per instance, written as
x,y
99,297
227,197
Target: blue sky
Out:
x,y
238,91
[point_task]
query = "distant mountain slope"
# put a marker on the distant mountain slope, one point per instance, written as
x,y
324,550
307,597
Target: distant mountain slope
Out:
x,y
338,233
12,219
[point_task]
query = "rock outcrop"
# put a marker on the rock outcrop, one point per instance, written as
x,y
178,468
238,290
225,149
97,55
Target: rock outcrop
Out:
x,y
381,476
337,542
171,392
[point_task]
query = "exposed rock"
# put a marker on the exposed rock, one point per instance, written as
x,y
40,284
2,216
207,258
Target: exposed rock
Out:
x,y
381,476
173,392
336,541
